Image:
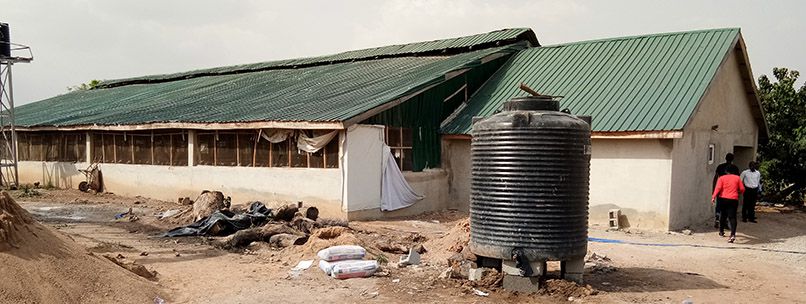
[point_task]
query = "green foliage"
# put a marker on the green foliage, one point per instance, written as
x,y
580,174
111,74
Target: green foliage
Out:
x,y
27,190
382,259
50,186
85,86
783,156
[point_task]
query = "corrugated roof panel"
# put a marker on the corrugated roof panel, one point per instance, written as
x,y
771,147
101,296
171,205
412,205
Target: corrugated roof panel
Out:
x,y
426,48
638,83
333,92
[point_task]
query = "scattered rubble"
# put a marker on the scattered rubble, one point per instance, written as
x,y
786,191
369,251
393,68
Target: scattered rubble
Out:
x,y
413,258
599,263
133,267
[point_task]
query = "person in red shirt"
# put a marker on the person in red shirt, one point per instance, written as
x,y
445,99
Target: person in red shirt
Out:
x,y
726,196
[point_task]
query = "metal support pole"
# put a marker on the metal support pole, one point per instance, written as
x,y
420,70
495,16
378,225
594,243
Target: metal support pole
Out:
x,y
13,128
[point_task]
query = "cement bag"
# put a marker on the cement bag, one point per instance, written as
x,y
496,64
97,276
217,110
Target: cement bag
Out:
x,y
354,269
327,267
342,252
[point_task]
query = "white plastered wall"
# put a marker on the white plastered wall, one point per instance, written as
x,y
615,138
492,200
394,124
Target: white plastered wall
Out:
x,y
363,166
633,175
319,187
727,106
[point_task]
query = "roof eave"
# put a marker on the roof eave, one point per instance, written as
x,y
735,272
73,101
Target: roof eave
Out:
x,y
311,125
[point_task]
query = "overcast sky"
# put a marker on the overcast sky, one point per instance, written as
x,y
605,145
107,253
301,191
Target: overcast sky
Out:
x,y
75,41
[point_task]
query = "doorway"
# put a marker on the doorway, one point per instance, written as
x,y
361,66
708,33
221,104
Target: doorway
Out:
x,y
742,156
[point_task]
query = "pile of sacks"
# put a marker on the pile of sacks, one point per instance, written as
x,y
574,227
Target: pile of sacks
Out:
x,y
346,261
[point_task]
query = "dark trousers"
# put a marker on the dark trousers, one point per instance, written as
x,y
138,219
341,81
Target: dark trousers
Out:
x,y
749,204
727,214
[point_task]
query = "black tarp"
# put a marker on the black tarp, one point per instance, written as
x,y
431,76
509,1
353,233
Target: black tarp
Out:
x,y
225,222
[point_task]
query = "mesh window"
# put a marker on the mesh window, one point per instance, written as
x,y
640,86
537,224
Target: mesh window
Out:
x,y
74,147
180,150
332,153
317,159
279,154
204,151
123,149
97,147
52,143
4,149
393,137
142,149
23,145
226,149
299,158
246,148
162,149
262,153
37,147
109,148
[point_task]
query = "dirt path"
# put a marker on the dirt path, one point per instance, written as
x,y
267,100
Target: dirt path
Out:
x,y
192,272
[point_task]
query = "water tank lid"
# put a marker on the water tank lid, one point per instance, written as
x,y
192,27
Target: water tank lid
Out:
x,y
532,103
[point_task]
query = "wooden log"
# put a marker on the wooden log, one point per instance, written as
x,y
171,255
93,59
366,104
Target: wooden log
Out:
x,y
283,240
242,238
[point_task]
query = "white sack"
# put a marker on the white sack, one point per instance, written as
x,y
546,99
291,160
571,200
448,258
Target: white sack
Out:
x,y
342,252
327,267
354,269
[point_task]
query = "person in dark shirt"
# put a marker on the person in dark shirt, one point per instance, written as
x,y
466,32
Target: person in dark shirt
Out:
x,y
722,169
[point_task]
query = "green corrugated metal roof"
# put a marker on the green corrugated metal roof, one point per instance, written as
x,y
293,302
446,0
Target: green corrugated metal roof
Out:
x,y
637,83
426,48
333,92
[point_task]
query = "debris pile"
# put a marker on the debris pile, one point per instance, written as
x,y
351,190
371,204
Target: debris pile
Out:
x,y
598,263
32,254
205,205
132,266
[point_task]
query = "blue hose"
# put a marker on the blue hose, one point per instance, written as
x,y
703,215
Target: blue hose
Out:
x,y
613,241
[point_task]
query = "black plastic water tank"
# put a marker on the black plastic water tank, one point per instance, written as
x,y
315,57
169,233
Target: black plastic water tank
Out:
x,y
5,40
530,181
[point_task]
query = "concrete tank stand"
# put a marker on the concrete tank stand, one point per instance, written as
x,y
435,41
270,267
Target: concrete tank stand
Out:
x,y
571,270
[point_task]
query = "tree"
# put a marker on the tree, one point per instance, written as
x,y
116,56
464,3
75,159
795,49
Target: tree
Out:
x,y
783,156
85,86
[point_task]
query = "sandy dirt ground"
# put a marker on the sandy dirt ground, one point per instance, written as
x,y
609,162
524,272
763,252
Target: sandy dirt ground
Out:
x,y
767,264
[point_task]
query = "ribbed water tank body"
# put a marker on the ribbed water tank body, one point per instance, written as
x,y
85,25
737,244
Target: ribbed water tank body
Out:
x,y
5,40
530,181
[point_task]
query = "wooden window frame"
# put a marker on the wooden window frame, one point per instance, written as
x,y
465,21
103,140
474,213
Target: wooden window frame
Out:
x,y
401,148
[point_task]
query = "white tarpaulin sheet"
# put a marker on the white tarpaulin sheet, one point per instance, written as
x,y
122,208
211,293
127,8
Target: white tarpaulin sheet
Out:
x,y
313,144
395,191
304,143
276,135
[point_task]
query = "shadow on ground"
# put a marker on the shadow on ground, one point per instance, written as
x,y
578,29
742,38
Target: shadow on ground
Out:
x,y
637,279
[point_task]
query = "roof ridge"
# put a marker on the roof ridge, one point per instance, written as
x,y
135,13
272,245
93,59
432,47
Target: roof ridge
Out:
x,y
438,47
631,37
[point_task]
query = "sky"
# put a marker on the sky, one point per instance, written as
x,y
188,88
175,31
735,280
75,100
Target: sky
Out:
x,y
75,41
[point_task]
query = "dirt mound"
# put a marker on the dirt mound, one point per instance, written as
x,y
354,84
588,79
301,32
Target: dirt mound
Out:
x,y
565,289
440,249
15,223
43,266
